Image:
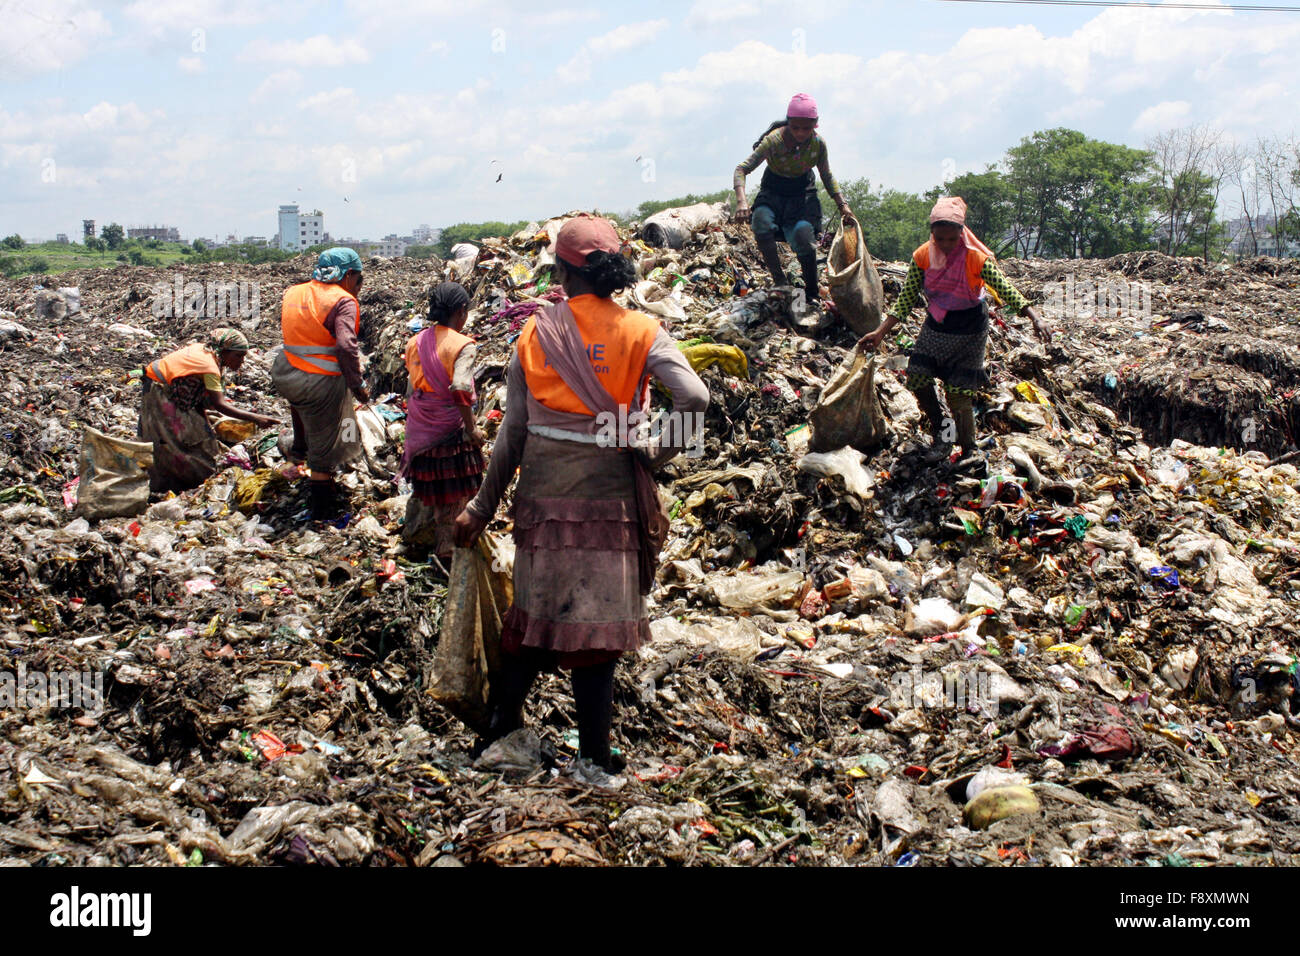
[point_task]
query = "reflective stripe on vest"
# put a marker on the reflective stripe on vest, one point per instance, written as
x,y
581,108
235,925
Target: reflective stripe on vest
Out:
x,y
618,342
191,360
308,345
974,266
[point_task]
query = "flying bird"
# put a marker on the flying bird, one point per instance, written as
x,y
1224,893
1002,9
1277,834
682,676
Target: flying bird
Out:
x,y
499,175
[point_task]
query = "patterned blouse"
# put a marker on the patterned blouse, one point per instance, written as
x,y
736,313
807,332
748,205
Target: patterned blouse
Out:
x,y
785,159
991,274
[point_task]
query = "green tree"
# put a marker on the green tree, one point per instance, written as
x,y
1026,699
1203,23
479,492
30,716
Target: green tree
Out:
x,y
422,251
12,242
893,222
199,245
95,244
1103,205
988,205
114,235
472,232
136,257
38,264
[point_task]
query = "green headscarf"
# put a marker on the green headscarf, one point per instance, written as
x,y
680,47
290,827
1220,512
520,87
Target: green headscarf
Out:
x,y
333,264
227,340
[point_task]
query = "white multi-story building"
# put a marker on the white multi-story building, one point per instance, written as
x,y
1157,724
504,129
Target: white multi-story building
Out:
x,y
300,230
425,234
389,246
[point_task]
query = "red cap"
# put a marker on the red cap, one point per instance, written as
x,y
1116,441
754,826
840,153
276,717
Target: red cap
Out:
x,y
583,235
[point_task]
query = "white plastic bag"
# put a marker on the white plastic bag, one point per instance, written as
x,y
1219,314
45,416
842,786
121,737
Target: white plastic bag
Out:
x,y
844,462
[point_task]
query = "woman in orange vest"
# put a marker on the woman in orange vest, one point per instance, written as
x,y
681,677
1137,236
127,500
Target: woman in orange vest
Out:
x,y
442,458
953,268
588,523
319,371
178,389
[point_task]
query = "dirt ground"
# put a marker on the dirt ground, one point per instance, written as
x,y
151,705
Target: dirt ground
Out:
x,y
1118,593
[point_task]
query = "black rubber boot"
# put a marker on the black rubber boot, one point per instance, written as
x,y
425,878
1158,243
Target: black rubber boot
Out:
x,y
324,499
808,266
771,258
508,693
928,398
593,693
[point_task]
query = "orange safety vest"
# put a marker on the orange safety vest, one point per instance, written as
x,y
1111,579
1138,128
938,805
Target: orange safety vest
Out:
x,y
618,342
308,345
450,344
192,360
975,260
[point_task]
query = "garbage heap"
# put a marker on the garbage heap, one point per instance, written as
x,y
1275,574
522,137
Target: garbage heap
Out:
x,y
1085,656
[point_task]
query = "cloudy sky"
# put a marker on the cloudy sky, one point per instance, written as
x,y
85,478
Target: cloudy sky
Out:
x,y
207,114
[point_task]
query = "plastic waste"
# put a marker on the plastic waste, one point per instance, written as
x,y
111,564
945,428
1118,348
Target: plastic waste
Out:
x,y
845,463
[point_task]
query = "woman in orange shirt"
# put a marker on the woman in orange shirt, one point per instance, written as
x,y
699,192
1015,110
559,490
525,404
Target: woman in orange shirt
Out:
x,y
178,390
442,459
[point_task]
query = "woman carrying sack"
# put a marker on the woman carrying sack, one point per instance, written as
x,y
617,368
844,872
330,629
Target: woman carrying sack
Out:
x,y
442,459
953,268
588,523
787,196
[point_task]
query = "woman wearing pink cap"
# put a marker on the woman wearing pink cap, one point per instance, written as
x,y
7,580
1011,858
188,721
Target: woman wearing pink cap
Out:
x,y
588,523
953,269
787,195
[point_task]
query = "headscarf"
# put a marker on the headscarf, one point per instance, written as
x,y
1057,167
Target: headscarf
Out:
x,y
583,235
802,106
953,209
947,286
446,299
333,264
227,340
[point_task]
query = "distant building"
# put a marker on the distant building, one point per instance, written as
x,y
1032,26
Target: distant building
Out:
x,y
88,229
299,230
390,246
61,238
1259,241
255,240
163,233
424,234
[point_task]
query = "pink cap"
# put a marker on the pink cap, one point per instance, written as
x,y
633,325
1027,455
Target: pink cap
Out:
x,y
802,106
583,235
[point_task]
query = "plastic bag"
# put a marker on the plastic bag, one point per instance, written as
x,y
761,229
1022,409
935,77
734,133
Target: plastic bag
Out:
x,y
748,591
855,284
113,476
849,411
469,646
844,462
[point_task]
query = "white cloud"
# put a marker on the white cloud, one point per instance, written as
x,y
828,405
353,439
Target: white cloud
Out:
x,y
706,13
331,102
158,17
629,36
1163,116
285,82
190,64
48,35
317,51
441,47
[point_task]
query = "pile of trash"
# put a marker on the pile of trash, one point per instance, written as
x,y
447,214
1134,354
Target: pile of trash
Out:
x,y
1084,655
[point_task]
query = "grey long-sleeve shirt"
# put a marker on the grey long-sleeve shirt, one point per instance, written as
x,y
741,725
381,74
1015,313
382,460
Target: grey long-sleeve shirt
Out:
x,y
342,324
665,363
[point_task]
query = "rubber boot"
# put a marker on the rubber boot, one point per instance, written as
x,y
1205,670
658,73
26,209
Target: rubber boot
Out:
x,y
808,266
324,499
928,398
963,410
771,258
593,695
508,693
